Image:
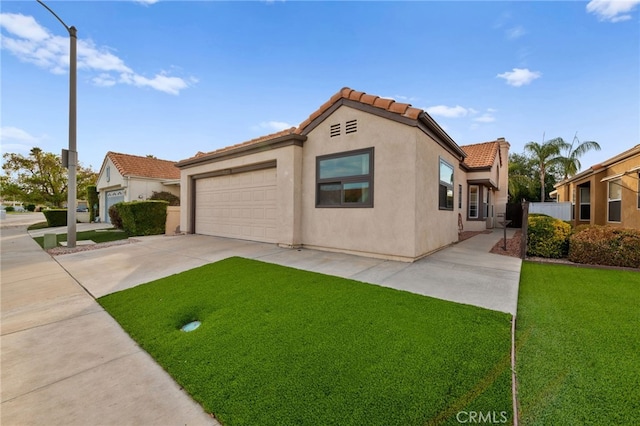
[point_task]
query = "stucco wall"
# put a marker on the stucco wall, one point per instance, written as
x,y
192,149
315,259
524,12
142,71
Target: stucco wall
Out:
x,y
288,183
388,228
435,228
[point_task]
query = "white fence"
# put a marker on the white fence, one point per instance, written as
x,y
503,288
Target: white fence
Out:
x,y
560,211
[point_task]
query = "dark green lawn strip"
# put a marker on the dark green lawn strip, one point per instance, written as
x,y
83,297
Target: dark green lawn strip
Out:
x,y
283,346
578,339
95,236
39,225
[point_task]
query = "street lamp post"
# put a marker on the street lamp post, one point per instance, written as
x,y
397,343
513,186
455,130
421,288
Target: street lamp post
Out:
x,y
72,154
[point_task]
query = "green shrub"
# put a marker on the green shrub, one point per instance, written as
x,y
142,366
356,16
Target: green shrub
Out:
x,y
10,209
92,200
56,217
547,236
606,245
143,217
114,216
30,207
173,200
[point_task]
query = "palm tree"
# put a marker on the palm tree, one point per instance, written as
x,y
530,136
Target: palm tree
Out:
x,y
545,155
570,164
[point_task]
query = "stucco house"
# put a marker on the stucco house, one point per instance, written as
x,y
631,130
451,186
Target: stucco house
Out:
x,y
363,175
607,193
125,177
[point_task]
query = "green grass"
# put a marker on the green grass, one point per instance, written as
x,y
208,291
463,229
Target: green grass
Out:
x,y
578,346
280,346
39,225
95,236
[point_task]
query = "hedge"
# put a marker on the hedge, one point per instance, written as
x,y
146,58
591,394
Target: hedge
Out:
x,y
56,217
143,217
547,236
173,200
606,245
92,200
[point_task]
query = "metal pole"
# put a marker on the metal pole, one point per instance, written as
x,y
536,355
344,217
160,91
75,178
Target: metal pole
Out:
x,y
73,154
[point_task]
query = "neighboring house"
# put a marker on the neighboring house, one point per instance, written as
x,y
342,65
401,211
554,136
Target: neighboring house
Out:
x,y
363,175
125,177
606,193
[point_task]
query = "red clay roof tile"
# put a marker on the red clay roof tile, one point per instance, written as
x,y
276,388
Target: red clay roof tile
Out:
x,y
481,155
134,165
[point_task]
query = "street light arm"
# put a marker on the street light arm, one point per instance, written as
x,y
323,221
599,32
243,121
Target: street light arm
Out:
x,y
71,30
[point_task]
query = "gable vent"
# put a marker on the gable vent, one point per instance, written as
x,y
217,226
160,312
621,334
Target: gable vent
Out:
x,y
335,130
351,126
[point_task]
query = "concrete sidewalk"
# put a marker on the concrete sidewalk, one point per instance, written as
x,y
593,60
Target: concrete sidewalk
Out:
x,y
65,361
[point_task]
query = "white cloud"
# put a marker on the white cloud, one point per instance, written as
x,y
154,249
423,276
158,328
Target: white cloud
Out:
x,y
612,10
485,118
520,76
275,125
449,112
146,2
32,43
17,135
515,32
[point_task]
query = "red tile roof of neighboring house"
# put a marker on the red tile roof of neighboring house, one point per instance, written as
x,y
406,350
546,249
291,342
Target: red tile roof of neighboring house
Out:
x,y
481,155
133,165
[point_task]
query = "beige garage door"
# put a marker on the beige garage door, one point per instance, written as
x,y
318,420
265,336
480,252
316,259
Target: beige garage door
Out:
x,y
241,205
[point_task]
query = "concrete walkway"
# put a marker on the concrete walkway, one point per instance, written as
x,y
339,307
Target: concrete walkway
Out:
x,y
465,272
66,361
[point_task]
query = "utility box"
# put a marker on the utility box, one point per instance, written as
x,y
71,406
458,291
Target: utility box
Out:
x,y
50,241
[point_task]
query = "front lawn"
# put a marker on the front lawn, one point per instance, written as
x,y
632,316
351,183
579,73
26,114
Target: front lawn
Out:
x,y
578,345
284,346
97,236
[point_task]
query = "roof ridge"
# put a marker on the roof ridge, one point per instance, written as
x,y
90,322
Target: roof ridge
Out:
x,y
387,104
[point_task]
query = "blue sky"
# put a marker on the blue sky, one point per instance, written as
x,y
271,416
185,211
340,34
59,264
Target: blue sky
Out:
x,y
174,78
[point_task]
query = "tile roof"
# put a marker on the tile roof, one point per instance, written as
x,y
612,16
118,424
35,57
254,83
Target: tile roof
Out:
x,y
402,109
405,110
134,165
481,155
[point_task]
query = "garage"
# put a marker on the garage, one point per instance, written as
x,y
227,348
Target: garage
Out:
x,y
112,198
238,205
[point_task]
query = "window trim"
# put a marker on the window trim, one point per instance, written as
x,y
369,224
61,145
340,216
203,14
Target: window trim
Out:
x,y
446,184
342,180
618,182
477,203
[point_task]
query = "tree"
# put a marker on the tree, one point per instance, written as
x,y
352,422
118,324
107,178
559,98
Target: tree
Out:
x,y
522,178
546,155
570,163
40,177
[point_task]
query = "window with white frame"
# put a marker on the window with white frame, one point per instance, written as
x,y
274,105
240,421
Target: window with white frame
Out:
x,y
585,203
573,203
615,200
445,186
474,191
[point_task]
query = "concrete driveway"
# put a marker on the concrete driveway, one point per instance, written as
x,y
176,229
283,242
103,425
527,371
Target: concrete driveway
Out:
x,y
465,272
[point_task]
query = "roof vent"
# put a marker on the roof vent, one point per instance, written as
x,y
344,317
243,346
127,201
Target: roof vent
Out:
x,y
351,126
335,130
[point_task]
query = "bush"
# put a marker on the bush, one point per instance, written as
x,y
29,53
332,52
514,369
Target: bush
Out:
x,y
173,200
114,216
92,200
606,245
143,217
10,209
56,217
547,236
31,207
